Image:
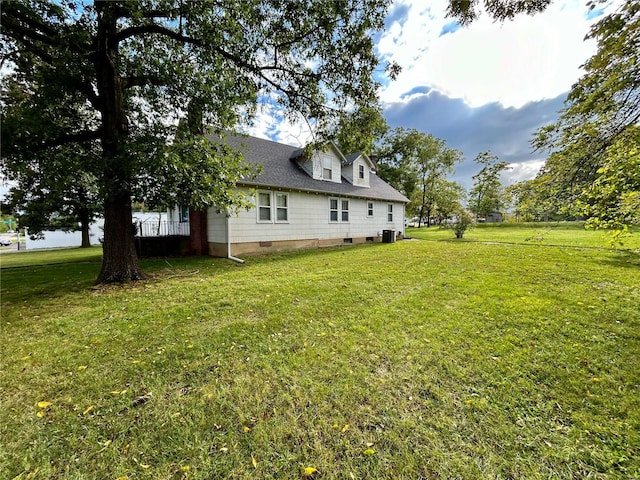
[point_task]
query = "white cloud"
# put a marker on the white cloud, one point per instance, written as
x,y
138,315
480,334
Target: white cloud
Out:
x,y
269,124
519,172
512,62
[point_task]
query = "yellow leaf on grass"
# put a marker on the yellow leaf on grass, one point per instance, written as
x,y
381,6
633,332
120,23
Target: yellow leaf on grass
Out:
x,y
40,414
254,462
107,443
44,404
82,367
369,451
345,428
88,409
309,471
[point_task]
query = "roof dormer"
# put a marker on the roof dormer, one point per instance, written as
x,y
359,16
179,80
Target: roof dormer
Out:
x,y
357,169
324,165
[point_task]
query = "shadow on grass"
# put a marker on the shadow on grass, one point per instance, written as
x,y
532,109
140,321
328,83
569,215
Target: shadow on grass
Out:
x,y
622,259
37,283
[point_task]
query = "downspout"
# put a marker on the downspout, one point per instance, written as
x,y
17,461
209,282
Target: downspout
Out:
x,y
229,256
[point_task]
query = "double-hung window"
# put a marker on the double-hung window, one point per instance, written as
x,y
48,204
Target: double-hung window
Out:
x,y
264,207
333,209
370,209
327,168
273,207
338,210
361,172
344,210
282,207
390,212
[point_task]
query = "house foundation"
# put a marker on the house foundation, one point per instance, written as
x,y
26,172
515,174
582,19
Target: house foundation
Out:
x,y
265,247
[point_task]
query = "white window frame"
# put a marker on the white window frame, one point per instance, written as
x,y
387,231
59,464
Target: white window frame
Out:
x,y
344,210
261,207
279,208
390,213
361,172
370,209
336,210
327,171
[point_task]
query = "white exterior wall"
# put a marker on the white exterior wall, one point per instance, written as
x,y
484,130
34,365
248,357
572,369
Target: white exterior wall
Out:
x,y
308,218
216,226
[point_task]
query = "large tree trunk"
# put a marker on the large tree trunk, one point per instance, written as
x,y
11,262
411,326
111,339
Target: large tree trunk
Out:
x,y
84,229
119,258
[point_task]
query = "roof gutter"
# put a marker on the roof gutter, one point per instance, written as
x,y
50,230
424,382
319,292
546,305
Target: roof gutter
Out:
x,y
229,256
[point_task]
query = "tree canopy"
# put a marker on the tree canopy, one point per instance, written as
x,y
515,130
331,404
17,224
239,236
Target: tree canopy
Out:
x,y
594,144
469,10
418,163
121,74
486,196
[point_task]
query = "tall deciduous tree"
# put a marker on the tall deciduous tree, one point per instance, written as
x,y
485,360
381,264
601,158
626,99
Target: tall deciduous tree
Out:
x,y
486,195
136,65
450,197
418,162
594,143
61,192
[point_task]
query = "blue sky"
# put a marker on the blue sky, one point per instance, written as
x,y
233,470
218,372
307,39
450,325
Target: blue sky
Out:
x,y
488,86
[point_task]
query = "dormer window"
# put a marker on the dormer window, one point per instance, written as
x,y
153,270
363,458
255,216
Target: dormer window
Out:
x,y
326,168
361,172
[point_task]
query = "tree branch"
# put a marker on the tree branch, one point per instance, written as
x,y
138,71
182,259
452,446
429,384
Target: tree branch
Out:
x,y
70,138
158,29
21,26
140,80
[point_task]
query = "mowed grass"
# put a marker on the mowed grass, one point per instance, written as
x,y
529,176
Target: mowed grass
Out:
x,y
544,233
418,359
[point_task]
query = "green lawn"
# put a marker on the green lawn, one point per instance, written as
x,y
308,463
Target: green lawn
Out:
x,y
549,233
418,359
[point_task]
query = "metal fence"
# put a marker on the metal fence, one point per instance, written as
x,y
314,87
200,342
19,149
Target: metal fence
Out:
x,y
149,228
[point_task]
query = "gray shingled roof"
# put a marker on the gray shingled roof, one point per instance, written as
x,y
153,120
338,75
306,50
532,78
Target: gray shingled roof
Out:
x,y
280,170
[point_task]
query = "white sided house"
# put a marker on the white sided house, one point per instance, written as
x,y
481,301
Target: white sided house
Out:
x,y
323,199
